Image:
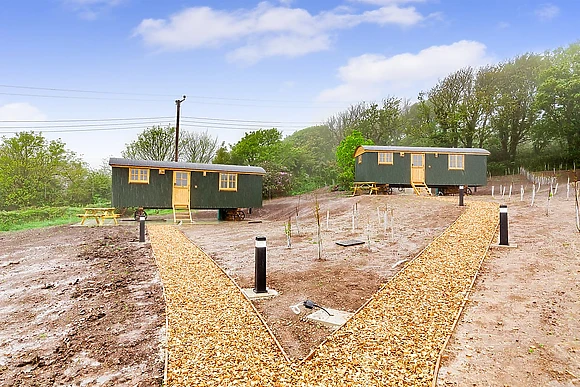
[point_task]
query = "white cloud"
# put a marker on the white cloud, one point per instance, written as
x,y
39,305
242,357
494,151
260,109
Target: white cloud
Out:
x,y
264,31
547,12
372,76
19,112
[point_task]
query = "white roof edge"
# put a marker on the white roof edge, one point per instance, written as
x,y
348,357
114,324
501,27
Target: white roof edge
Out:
x,y
379,148
115,161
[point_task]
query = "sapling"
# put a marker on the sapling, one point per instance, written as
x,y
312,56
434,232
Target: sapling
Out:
x,y
317,216
288,232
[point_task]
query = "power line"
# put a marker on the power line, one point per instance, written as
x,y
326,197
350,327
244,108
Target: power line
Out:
x,y
90,120
149,94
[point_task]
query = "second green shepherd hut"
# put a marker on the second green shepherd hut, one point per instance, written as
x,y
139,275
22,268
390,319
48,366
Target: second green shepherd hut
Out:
x,y
420,168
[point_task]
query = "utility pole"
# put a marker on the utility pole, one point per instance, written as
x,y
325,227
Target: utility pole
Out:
x,y
178,103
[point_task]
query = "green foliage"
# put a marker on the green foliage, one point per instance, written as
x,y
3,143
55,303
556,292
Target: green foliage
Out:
x,y
36,172
155,143
37,217
345,159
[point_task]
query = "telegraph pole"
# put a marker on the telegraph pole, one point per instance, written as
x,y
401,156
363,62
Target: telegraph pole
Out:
x,y
178,103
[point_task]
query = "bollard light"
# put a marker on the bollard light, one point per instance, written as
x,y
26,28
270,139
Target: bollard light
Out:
x,y
503,225
461,192
141,229
260,265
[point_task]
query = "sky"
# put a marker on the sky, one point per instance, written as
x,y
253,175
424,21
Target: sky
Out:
x,y
96,73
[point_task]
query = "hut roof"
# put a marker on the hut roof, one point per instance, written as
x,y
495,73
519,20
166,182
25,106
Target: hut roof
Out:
x,y
416,149
119,162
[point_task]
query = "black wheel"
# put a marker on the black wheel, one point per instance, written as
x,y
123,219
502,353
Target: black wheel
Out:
x,y
240,215
468,191
440,192
390,191
401,189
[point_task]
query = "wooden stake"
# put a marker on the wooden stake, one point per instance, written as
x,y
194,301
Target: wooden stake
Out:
x,y
327,218
492,189
533,196
522,193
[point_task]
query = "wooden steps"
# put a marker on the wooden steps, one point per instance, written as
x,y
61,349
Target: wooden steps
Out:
x,y
182,213
420,189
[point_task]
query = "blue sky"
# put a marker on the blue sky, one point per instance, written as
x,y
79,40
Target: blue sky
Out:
x,y
243,64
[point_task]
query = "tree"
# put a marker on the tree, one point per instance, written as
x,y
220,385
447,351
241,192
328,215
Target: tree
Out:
x,y
155,143
558,100
381,124
258,146
341,124
197,147
345,158
35,172
515,93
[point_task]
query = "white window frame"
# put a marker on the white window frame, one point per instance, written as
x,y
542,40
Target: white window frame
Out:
x,y
385,157
228,182
456,162
139,175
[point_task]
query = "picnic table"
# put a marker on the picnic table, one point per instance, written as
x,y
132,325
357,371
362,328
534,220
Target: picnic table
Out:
x,y
99,214
371,187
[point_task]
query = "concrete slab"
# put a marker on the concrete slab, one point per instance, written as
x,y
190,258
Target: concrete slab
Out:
x,y
337,319
260,296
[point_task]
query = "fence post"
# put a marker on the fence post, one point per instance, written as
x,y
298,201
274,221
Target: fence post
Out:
x,y
141,229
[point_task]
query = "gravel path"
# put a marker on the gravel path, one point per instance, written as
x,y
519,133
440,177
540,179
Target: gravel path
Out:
x,y
216,338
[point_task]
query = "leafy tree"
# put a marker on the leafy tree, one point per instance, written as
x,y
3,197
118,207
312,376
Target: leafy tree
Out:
x,y
341,124
345,159
559,100
155,143
36,172
257,146
515,112
381,124
197,147
222,156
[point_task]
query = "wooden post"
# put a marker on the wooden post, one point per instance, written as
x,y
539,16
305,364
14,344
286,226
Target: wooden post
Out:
x,y
533,196
327,218
522,193
492,189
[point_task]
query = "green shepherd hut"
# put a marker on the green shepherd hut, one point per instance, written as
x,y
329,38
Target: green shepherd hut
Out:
x,y
382,168
185,186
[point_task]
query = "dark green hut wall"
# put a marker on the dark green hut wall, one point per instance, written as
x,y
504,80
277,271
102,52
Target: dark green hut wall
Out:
x,y
205,193
437,172
156,194
397,173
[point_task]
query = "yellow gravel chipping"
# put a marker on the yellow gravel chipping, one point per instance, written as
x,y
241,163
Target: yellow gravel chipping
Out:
x,y
216,338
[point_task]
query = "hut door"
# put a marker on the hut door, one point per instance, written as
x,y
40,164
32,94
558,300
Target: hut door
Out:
x,y
418,168
181,188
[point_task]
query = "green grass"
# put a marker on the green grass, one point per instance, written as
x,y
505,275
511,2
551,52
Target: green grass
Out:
x,y
38,218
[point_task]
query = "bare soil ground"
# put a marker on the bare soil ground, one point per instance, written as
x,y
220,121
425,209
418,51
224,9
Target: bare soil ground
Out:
x,y
345,277
83,306
522,326
79,306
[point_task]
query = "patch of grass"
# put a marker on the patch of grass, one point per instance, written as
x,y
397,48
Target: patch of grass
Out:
x,y
38,218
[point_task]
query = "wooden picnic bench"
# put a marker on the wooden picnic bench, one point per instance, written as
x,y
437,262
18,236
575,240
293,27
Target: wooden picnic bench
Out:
x,y
99,214
370,186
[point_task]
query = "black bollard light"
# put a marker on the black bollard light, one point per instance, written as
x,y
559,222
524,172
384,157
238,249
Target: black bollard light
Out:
x,y
503,225
461,192
141,229
260,272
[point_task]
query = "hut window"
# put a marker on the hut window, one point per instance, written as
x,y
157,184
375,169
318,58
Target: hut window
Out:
x,y
181,179
138,175
385,157
228,182
456,162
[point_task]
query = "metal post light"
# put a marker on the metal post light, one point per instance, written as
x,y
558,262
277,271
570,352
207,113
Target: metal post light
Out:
x,y
141,229
260,265
503,225
461,193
